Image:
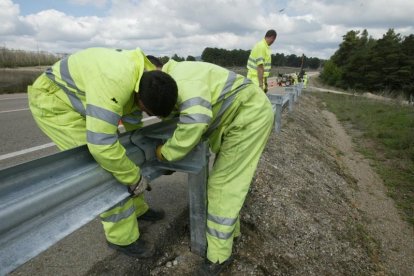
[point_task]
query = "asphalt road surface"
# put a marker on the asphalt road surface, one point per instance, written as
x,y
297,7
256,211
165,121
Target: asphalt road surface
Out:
x,y
21,139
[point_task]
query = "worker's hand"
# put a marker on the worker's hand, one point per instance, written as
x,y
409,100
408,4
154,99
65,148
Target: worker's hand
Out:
x,y
160,157
139,188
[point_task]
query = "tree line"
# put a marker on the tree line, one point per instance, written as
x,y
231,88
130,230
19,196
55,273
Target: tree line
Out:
x,y
10,58
229,58
377,65
222,57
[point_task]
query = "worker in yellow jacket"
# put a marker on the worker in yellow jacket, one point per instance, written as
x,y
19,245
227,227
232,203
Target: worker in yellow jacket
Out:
x,y
236,117
305,80
260,60
81,99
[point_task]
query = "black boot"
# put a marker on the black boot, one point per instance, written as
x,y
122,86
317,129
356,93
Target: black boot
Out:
x,y
152,215
139,249
208,268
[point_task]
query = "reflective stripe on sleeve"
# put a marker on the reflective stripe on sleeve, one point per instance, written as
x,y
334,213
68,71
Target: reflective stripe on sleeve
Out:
x,y
133,118
195,101
194,119
102,114
101,138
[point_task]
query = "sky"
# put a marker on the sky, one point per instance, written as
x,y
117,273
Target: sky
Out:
x,y
165,27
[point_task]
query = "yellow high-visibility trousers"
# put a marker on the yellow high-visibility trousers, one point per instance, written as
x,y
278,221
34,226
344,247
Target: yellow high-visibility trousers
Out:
x,y
67,129
243,138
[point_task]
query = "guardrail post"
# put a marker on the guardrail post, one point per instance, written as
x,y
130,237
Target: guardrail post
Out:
x,y
277,102
291,90
299,89
197,191
290,101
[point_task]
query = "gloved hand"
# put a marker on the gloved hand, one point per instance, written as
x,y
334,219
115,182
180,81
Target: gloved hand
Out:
x,y
139,187
158,153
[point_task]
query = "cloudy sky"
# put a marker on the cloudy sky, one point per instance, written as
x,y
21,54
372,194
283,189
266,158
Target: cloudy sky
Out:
x,y
184,27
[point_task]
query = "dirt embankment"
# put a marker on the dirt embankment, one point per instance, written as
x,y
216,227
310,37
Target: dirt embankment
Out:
x,y
315,208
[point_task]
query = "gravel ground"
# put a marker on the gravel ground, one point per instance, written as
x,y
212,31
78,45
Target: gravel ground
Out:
x,y
309,211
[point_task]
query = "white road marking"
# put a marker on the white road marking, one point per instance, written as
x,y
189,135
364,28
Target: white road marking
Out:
x,y
21,152
15,98
14,110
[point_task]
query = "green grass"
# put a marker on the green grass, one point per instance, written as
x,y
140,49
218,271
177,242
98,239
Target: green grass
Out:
x,y
387,138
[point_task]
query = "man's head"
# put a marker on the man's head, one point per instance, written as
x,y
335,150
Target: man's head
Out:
x,y
270,37
157,93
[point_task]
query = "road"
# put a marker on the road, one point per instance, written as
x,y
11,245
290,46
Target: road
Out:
x,y
21,139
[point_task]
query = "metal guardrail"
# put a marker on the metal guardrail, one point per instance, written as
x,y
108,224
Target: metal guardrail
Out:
x,y
281,101
44,200
57,194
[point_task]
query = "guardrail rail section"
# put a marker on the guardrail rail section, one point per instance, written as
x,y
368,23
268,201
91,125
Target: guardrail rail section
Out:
x,y
44,200
282,100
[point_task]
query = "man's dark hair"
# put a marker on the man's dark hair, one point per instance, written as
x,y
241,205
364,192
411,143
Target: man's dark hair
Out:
x,y
156,61
158,92
271,33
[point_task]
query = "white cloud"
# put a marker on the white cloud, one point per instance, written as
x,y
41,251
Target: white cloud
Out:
x,y
165,27
96,3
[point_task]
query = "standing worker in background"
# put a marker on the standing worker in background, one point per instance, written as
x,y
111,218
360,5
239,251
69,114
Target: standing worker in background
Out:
x,y
81,99
236,117
305,80
260,60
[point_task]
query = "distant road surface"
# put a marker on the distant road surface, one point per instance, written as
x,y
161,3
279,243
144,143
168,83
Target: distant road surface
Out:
x,y
21,139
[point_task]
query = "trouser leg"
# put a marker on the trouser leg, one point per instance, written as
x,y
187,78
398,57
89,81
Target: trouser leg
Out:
x,y
120,222
229,181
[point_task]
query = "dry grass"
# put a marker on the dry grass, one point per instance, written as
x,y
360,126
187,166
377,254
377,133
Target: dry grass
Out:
x,y
16,80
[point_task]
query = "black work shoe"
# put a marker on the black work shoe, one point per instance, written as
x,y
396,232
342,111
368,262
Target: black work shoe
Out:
x,y
208,268
139,249
152,215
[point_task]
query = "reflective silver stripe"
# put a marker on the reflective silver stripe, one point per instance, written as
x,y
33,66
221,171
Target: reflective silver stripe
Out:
x,y
252,67
102,114
218,234
66,76
268,64
228,85
131,120
101,138
221,220
118,217
226,103
74,100
194,119
195,101
259,59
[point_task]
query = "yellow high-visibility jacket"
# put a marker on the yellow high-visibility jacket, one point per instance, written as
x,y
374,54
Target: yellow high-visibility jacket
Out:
x,y
260,54
205,94
100,84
